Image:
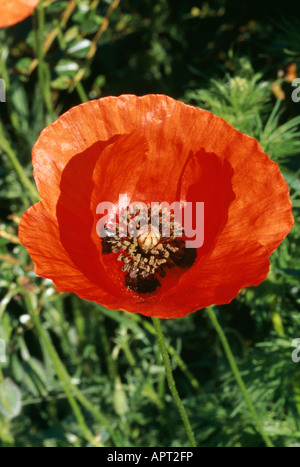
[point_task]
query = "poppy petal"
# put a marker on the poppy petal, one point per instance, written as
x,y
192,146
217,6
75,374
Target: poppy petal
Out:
x,y
172,128
154,148
39,233
88,179
14,11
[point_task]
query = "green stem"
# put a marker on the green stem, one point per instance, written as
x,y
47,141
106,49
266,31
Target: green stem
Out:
x,y
111,365
81,92
5,75
43,72
171,382
161,381
4,144
130,358
130,317
98,415
238,376
64,377
181,364
61,372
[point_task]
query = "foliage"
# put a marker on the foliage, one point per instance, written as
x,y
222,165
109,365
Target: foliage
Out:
x,y
211,55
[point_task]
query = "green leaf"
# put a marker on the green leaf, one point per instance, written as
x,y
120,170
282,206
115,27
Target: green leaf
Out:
x,y
67,67
62,82
10,399
120,399
57,7
79,49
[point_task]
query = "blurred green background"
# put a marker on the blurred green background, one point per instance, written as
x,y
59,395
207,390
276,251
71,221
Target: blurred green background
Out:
x,y
105,383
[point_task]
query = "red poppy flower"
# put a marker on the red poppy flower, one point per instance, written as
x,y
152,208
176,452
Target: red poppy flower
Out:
x,y
152,149
14,11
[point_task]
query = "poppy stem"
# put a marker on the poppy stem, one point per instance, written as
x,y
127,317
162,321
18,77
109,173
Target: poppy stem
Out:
x,y
171,381
43,70
237,375
149,328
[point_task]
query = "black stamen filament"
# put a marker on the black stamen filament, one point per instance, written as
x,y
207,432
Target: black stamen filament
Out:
x,y
149,255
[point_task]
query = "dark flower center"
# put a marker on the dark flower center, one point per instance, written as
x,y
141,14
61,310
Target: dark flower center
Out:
x,y
145,253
